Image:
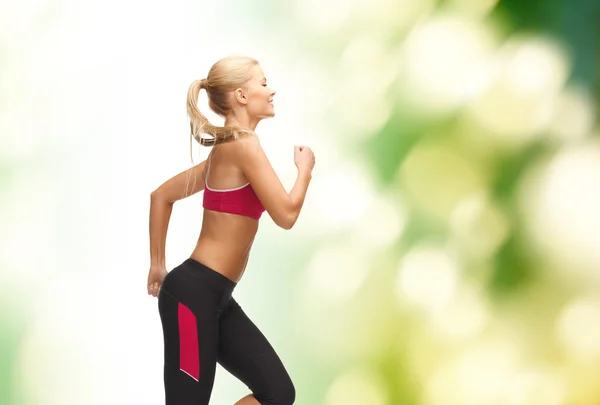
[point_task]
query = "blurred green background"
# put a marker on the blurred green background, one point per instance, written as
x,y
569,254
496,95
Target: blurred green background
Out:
x,y
448,252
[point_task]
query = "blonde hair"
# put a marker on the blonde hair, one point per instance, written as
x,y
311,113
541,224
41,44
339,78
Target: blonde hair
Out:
x,y
226,75
223,77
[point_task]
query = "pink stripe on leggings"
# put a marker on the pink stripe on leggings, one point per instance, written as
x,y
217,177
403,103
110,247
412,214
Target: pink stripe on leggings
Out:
x,y
189,358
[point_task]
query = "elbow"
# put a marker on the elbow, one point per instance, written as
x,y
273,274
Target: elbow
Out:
x,y
286,216
157,195
288,221
290,217
287,225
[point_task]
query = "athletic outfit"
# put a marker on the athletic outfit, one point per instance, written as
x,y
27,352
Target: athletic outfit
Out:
x,y
204,325
239,200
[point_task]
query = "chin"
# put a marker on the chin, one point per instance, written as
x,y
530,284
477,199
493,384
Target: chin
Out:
x,y
265,116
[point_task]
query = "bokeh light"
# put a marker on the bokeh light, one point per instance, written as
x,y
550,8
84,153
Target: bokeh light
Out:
x,y
427,278
577,329
478,226
574,114
442,58
356,387
436,170
515,101
478,375
560,206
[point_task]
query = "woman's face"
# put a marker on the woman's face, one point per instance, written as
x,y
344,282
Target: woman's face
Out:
x,y
259,97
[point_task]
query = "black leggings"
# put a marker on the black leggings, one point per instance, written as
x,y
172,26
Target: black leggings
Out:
x,y
202,325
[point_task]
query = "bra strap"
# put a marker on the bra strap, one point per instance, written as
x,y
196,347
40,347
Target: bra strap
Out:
x,y
207,171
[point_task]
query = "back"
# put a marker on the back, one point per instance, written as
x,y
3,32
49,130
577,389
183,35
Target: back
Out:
x,y
225,239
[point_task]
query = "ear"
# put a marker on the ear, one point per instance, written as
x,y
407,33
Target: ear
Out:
x,y
240,96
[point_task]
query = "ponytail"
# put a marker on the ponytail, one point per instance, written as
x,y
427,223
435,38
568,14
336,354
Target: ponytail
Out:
x,y
199,124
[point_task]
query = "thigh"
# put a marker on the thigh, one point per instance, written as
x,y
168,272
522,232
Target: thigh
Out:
x,y
190,351
247,354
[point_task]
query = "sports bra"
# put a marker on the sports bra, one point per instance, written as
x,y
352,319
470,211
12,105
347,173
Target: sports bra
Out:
x,y
239,200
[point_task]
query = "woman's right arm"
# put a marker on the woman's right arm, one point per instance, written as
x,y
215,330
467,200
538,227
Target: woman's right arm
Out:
x,y
183,185
160,214
283,208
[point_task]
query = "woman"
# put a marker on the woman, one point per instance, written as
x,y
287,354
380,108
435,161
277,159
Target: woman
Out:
x,y
202,324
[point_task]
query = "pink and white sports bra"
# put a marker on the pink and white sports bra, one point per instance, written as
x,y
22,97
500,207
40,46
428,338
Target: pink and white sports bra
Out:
x,y
239,200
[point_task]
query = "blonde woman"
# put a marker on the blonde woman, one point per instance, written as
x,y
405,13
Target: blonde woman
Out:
x,y
202,323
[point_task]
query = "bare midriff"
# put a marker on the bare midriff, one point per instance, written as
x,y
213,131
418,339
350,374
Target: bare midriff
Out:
x,y
224,243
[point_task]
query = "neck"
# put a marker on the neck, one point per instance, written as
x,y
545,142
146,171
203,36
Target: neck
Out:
x,y
242,121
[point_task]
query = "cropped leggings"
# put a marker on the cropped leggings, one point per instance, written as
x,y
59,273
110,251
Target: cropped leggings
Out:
x,y
202,325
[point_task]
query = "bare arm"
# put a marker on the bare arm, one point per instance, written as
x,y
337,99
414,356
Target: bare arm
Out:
x,y
283,208
183,185
160,214
298,193
162,199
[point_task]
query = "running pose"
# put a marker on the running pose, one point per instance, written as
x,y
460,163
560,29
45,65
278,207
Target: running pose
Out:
x,y
202,323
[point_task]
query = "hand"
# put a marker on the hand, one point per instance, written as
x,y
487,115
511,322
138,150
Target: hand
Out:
x,y
304,158
155,279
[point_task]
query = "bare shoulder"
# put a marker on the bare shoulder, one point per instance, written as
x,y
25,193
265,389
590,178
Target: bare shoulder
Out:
x,y
250,141
246,147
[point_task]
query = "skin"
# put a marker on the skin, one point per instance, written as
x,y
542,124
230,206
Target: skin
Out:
x,y
225,240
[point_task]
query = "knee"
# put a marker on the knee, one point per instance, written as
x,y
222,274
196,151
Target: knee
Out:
x,y
282,394
287,396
